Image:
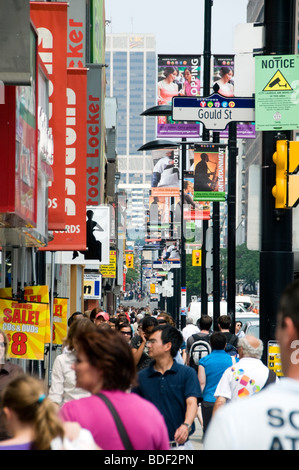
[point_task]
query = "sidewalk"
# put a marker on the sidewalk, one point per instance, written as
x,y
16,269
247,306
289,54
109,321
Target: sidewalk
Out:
x,y
196,437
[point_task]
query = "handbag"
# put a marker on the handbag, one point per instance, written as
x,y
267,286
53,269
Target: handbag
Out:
x,y
120,427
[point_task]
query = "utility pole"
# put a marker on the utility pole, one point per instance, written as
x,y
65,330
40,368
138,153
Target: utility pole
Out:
x,y
206,138
276,256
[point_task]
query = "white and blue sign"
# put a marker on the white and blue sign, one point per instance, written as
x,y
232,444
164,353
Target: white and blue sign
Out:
x,y
215,111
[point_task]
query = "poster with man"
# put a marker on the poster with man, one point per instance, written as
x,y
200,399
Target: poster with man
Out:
x,y
209,172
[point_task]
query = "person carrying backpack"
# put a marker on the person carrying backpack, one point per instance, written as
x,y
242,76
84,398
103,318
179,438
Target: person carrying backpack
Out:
x,y
204,324
210,370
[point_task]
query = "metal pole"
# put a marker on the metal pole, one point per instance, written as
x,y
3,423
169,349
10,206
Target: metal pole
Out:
x,y
276,256
231,218
206,138
183,249
216,255
51,316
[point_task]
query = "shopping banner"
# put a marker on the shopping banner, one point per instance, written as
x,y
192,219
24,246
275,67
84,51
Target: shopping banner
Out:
x,y
25,325
50,20
177,76
209,172
59,320
73,237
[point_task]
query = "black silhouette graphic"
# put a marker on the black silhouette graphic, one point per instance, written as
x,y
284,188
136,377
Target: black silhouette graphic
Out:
x,y
94,246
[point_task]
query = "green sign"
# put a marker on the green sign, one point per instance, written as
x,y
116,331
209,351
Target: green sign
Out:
x,y
277,92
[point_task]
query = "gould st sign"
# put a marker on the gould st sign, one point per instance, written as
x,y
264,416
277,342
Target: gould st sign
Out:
x,y
215,111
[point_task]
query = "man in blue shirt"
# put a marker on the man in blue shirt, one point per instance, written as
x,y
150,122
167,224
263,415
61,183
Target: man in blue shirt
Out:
x,y
173,388
210,370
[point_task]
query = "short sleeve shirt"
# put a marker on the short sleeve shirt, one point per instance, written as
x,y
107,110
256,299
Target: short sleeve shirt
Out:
x,y
169,392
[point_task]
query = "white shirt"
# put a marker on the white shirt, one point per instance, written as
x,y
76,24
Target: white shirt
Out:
x,y
246,377
63,386
265,421
189,330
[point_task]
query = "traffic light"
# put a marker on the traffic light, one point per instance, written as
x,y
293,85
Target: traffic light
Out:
x,y
280,158
130,260
196,257
286,190
293,175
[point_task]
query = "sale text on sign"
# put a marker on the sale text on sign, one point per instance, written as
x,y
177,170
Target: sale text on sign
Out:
x,y
25,325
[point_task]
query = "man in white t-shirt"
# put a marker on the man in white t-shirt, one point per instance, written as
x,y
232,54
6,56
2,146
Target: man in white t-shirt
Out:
x,y
246,377
268,420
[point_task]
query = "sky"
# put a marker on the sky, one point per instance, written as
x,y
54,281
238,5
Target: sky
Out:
x,y
178,25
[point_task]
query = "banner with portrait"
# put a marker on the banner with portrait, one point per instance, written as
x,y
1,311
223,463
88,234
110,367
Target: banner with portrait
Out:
x,y
209,172
177,76
166,172
223,82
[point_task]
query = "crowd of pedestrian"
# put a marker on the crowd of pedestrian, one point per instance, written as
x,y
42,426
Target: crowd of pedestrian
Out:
x,y
131,381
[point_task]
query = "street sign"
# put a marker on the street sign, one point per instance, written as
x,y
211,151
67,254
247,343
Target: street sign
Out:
x,y
276,92
215,111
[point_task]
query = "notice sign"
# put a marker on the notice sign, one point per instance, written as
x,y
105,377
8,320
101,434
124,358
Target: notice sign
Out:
x,y
25,325
276,92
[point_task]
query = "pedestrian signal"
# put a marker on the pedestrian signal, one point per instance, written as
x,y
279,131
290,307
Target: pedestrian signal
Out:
x,y
130,261
286,190
196,257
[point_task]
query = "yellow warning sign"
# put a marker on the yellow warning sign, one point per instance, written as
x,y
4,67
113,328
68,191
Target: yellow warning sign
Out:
x,y
278,83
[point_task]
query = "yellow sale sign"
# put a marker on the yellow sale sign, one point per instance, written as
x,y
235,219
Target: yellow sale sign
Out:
x,y
25,325
59,320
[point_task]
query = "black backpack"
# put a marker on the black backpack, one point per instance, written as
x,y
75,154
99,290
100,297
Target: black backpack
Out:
x,y
198,350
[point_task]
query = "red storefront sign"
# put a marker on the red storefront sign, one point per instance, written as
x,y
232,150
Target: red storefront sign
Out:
x,y
74,235
50,20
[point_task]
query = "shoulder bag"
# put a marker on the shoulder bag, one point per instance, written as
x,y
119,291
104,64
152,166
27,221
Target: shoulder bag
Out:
x,y
120,427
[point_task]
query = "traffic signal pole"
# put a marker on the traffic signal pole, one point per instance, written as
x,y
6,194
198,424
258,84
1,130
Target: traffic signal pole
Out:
x,y
276,256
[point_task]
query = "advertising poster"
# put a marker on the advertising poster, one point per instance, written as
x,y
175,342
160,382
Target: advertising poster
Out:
x,y
177,76
109,270
25,325
97,249
59,320
223,75
209,172
166,173
194,210
223,83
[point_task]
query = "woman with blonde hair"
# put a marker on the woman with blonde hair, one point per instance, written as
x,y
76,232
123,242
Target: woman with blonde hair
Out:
x,y
32,420
31,417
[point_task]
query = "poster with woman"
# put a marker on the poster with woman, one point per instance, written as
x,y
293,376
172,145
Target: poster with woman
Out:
x,y
223,75
177,76
209,172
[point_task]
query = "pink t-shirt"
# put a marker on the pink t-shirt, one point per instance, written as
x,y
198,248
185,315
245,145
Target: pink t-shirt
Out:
x,y
143,422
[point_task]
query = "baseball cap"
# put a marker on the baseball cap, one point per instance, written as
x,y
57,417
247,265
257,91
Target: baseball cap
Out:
x,y
105,315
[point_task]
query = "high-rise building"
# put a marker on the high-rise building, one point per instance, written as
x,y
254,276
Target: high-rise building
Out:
x,y
131,79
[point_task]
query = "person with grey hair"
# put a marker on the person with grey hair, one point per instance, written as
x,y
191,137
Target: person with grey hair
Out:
x,y
190,329
247,377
